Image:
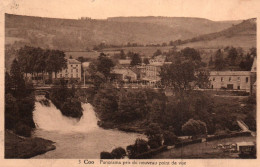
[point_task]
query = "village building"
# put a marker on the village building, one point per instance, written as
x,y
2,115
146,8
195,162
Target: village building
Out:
x,y
153,69
124,62
253,76
123,74
72,72
234,80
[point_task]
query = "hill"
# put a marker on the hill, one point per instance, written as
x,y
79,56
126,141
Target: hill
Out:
x,y
72,34
240,35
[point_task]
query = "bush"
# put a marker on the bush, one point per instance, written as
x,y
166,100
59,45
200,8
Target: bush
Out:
x,y
153,144
22,129
130,151
194,127
141,146
169,138
250,121
118,153
106,155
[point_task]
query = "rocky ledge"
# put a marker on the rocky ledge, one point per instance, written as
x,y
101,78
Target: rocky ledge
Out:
x,y
23,147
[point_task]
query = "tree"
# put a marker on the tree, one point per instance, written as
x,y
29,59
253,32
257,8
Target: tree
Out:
x,y
232,56
184,72
247,63
122,54
136,60
157,53
211,62
146,61
104,65
105,102
191,54
194,128
17,81
132,105
178,75
220,63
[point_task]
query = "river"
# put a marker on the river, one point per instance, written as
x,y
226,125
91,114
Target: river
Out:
x,y
77,139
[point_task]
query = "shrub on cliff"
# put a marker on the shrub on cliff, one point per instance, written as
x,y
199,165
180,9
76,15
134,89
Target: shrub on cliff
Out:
x,y
65,100
72,108
22,129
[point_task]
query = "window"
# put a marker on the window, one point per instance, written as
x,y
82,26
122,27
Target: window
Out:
x,y
71,75
71,65
71,70
222,79
60,75
77,70
77,75
238,78
229,79
66,75
213,78
76,65
246,79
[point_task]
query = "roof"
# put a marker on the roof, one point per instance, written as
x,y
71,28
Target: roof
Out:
x,y
230,73
122,71
156,64
125,62
245,143
73,61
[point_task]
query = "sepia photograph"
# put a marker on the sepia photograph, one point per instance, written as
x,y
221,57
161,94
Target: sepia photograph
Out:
x,y
130,81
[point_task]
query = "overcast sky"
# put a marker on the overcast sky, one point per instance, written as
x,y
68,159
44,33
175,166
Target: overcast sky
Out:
x,y
100,9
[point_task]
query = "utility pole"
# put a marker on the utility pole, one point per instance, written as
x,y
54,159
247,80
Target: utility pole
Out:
x,y
84,78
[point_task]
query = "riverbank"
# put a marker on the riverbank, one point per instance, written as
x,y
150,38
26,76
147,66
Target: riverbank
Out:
x,y
136,127
23,147
205,150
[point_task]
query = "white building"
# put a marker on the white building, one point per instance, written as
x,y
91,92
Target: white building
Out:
x,y
73,71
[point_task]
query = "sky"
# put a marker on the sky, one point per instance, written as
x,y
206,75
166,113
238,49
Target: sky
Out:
x,y
101,9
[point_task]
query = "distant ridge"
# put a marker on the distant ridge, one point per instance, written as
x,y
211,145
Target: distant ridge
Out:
x,y
240,35
79,34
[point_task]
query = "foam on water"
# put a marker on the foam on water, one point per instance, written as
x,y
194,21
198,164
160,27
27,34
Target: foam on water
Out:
x,y
49,118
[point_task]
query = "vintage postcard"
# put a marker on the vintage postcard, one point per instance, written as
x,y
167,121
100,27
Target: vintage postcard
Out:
x,y
129,83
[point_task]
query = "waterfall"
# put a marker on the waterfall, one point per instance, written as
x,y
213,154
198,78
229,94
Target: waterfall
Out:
x,y
49,118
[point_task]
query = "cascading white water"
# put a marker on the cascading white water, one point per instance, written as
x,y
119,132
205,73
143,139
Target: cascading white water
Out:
x,y
76,138
49,118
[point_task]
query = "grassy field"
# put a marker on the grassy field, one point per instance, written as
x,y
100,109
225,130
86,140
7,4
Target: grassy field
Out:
x,y
147,51
244,41
203,150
